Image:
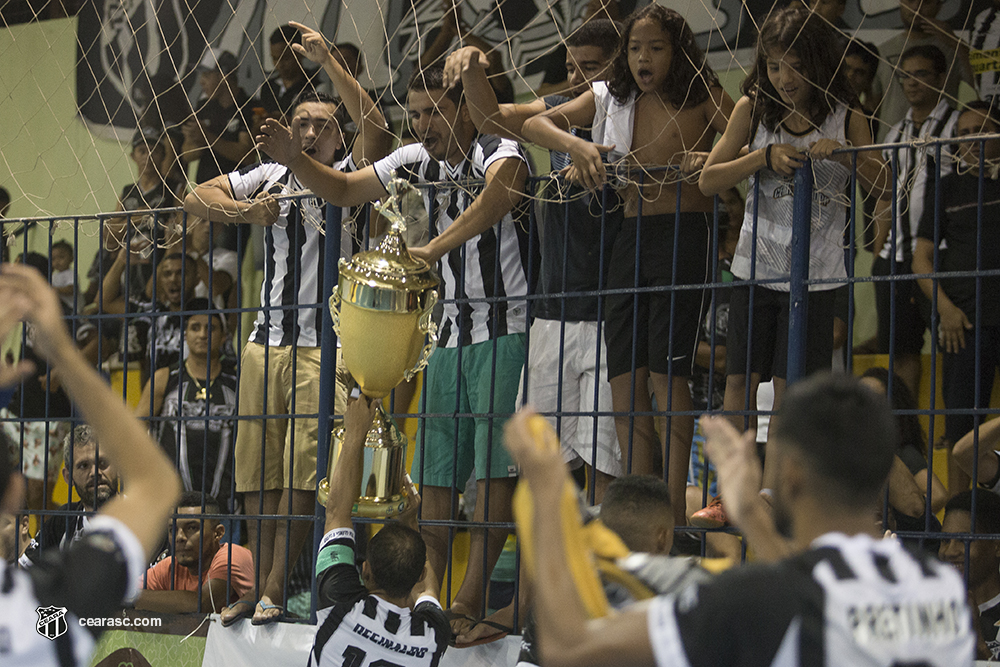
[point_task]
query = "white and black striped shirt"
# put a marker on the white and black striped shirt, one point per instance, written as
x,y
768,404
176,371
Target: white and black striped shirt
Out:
x,y
495,263
94,578
291,297
986,37
847,601
915,171
357,629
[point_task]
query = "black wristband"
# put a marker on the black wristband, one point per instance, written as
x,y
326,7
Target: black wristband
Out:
x,y
767,156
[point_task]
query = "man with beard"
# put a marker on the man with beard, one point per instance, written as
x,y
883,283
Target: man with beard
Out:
x,y
479,235
843,597
198,575
95,481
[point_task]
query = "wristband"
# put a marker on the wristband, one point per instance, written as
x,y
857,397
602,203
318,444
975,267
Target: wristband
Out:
x,y
767,156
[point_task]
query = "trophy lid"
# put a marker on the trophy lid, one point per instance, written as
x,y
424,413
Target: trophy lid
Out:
x,y
390,265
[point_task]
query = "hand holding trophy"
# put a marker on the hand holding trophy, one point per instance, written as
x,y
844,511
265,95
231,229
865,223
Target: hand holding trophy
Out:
x,y
382,309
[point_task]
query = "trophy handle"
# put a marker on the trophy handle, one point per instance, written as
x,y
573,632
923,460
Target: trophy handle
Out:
x,y
429,327
335,309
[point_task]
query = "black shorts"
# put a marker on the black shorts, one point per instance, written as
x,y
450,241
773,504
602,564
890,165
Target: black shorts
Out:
x,y
664,323
769,350
909,325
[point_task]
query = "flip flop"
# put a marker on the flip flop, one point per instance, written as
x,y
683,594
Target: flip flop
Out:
x,y
267,621
502,631
240,616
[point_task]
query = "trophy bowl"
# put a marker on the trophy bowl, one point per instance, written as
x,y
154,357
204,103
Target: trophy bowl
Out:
x,y
382,310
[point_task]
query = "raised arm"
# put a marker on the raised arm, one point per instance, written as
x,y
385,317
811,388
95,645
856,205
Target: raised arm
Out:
x,y
213,200
989,441
504,188
550,129
374,139
152,484
566,637
346,480
469,65
284,145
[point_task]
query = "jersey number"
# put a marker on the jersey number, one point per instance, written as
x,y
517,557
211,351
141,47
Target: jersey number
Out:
x,y
355,657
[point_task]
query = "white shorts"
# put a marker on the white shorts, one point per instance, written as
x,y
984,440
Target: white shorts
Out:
x,y
580,374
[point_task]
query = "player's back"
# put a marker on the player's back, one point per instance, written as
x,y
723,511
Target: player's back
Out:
x,y
847,601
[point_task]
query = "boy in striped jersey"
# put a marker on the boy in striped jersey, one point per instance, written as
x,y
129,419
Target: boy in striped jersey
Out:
x,y
479,233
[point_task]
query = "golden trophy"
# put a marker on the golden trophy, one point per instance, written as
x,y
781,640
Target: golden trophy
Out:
x,y
382,312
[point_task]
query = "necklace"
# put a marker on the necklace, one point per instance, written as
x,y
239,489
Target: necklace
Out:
x,y
202,393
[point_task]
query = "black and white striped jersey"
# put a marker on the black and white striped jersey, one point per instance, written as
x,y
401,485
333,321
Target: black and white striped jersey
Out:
x,y
41,607
293,256
355,629
915,172
847,601
491,265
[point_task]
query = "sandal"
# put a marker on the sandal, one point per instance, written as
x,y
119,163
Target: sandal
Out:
x,y
272,619
247,613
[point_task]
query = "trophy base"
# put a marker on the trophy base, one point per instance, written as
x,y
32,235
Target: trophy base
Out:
x,y
380,508
383,487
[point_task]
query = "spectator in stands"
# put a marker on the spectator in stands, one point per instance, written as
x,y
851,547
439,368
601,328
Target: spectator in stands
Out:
x,y
349,57
217,266
930,116
203,385
219,135
289,340
453,28
143,233
564,334
487,337
860,65
835,447
637,509
94,480
149,332
63,275
912,441
203,574
968,323
920,27
288,80
102,570
391,613
45,407
984,561
15,536
980,449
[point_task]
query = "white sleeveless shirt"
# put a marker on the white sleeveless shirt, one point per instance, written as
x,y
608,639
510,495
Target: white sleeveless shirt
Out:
x,y
774,211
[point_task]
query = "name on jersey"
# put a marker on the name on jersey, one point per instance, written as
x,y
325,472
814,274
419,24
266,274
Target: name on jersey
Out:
x,y
933,621
389,643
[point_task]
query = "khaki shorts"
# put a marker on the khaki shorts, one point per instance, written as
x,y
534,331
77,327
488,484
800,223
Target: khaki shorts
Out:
x,y
287,455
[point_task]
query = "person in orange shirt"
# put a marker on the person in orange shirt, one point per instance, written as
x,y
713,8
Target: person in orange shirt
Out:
x,y
226,569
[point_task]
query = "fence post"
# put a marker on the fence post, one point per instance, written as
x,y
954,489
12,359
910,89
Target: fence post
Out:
x,y
798,289
327,368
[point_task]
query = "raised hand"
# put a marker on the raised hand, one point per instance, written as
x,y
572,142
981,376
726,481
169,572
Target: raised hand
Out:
x,y
461,60
314,45
281,143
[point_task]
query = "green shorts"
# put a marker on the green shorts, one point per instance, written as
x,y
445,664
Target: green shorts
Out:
x,y
448,448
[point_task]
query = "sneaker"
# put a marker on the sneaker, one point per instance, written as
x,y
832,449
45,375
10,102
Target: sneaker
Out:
x,y
711,516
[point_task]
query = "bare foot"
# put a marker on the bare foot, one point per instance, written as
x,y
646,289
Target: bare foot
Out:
x,y
242,608
461,617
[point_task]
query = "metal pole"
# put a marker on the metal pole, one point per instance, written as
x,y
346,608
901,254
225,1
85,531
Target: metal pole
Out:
x,y
327,367
798,291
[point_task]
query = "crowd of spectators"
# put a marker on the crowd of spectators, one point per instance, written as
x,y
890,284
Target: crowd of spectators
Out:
x,y
620,375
